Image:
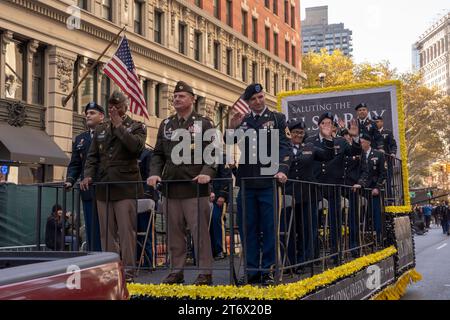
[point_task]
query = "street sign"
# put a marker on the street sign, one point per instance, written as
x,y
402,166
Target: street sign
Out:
x,y
5,170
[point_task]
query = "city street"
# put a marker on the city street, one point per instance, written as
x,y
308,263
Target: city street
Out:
x,y
433,259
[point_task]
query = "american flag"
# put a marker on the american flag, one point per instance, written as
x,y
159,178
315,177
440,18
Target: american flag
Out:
x,y
122,71
241,106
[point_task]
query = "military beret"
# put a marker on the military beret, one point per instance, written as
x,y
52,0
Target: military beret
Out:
x,y
326,115
296,124
94,106
117,97
365,136
377,118
361,105
183,87
251,90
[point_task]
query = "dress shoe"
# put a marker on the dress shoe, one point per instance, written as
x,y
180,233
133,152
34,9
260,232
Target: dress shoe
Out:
x,y
220,256
174,278
203,280
251,279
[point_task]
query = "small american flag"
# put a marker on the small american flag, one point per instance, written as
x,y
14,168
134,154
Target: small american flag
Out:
x,y
241,106
122,71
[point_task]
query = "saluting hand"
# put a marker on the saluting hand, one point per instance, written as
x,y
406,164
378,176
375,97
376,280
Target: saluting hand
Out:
x,y
236,120
116,119
354,128
202,179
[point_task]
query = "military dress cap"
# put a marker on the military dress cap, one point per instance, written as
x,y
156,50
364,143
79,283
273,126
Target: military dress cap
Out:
x,y
366,137
94,106
251,90
183,87
361,105
377,118
296,124
326,115
117,97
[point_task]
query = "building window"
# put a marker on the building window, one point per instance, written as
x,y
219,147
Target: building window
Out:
x,y
216,8
293,17
255,30
254,72
88,89
157,99
293,56
267,3
105,91
286,51
157,28
244,23
107,9
217,55
244,69
275,84
199,3
286,11
286,85
182,38
293,86
275,6
37,80
82,4
267,76
229,12
229,61
275,43
267,34
138,16
197,45
14,70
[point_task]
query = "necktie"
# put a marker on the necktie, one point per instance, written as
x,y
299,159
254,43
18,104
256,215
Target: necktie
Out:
x,y
257,117
181,122
92,133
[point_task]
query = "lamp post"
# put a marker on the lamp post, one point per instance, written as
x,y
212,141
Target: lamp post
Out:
x,y
322,78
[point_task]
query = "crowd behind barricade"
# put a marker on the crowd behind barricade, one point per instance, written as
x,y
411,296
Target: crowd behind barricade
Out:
x,y
323,204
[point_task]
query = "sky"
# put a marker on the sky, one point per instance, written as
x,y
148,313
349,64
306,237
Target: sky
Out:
x,y
383,29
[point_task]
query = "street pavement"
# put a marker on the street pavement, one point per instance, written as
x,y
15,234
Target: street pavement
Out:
x,y
433,262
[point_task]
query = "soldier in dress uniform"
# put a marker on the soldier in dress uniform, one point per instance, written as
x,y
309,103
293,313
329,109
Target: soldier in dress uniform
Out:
x,y
94,116
367,126
113,157
303,157
260,210
184,202
373,175
332,172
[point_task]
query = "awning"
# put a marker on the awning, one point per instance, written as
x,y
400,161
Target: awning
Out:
x,y
29,145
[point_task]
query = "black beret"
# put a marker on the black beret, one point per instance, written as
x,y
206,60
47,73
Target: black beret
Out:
x,y
251,90
326,115
183,87
94,106
361,105
296,124
118,97
377,118
365,136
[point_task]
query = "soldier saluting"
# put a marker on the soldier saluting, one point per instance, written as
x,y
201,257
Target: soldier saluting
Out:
x,y
113,157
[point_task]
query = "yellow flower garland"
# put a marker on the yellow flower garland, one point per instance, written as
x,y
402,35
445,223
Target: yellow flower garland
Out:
x,y
401,123
291,291
398,289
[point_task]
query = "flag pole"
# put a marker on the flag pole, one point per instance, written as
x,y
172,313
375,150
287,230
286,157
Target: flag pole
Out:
x,y
74,90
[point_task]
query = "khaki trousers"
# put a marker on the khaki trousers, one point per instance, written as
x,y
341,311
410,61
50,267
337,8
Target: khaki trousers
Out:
x,y
118,234
182,212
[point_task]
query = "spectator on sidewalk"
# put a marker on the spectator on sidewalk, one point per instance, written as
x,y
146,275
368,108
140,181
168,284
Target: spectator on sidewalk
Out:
x,y
427,211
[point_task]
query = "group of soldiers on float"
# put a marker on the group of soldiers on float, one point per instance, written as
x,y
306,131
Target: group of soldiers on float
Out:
x,y
113,149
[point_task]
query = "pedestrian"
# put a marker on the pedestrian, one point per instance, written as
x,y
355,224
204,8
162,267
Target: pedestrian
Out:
x,y
185,201
112,161
94,115
427,212
261,209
